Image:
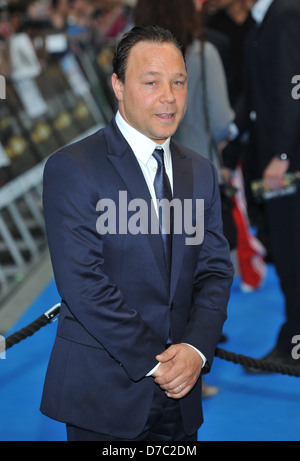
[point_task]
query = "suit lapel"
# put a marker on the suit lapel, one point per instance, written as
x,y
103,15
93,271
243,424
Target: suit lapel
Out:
x,y
125,162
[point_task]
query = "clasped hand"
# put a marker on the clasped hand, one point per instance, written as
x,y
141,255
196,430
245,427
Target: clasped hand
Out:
x,y
179,369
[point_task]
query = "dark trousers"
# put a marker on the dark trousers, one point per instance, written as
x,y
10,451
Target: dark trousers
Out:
x,y
284,225
164,424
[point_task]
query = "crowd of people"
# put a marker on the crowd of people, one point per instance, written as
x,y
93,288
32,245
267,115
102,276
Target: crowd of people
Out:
x,y
240,56
49,49
94,21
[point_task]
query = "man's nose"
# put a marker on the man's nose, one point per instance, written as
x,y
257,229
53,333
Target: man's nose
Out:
x,y
167,94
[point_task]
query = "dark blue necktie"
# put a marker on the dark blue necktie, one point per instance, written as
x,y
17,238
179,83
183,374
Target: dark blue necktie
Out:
x,y
163,191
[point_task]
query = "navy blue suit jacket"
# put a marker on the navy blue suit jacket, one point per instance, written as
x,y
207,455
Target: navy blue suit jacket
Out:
x,y
118,304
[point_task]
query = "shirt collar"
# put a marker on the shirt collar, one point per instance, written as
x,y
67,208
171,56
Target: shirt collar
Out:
x,y
141,145
259,10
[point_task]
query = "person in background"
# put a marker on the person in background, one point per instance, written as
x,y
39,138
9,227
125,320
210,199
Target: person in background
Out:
x,y
59,11
111,20
268,112
232,18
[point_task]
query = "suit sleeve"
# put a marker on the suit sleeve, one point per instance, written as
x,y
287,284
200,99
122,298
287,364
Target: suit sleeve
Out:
x,y
77,255
212,282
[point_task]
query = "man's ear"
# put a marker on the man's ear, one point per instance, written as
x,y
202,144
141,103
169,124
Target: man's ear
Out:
x,y
117,85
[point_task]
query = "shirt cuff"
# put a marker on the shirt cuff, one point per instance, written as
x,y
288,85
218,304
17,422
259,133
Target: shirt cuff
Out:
x,y
153,370
200,353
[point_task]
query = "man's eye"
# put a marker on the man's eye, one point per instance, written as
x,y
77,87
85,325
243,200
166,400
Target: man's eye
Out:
x,y
151,83
178,83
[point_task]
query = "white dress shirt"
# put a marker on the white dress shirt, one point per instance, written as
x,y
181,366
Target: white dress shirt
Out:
x,y
143,148
259,10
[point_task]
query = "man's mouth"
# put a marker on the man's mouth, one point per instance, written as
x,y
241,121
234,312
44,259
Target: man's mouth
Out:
x,y
165,116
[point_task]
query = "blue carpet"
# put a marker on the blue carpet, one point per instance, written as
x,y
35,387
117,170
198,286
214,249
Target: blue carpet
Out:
x,y
247,408
250,407
22,376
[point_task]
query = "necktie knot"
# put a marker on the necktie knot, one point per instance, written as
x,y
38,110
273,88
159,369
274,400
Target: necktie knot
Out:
x,y
158,154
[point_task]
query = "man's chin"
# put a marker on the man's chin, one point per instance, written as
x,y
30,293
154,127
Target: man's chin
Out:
x,y
161,137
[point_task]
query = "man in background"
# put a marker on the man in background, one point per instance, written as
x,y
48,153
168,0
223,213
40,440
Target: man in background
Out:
x,y
269,113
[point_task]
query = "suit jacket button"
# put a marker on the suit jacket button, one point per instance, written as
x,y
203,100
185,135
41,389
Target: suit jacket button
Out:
x,y
171,306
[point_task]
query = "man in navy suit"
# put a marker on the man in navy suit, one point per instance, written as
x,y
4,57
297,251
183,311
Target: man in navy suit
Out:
x,y
271,115
134,335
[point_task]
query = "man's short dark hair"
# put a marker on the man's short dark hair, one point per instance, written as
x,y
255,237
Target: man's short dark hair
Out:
x,y
152,34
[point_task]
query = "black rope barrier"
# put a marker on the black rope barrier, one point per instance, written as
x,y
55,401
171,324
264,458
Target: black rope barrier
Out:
x,y
30,329
51,314
261,364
